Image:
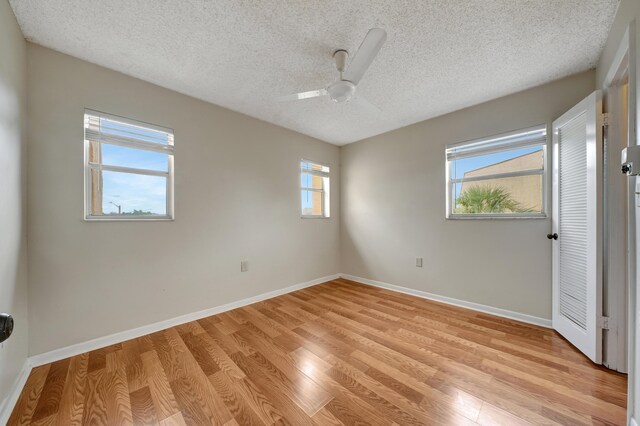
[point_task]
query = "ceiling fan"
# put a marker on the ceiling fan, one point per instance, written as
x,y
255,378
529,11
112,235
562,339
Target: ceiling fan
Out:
x,y
344,89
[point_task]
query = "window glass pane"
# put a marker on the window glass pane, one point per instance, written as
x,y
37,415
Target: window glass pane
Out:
x,y
311,203
128,194
311,181
515,160
115,155
516,194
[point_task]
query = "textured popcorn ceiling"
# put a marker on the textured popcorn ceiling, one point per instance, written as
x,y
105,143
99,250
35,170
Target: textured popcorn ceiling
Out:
x,y
440,56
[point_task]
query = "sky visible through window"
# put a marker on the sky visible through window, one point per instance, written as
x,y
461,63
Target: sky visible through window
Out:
x,y
462,166
115,155
126,192
133,192
307,199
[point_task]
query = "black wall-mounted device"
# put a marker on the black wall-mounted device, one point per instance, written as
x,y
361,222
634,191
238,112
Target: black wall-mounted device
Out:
x,y
6,326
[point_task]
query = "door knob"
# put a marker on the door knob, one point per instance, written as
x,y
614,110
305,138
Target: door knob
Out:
x,y
6,326
553,236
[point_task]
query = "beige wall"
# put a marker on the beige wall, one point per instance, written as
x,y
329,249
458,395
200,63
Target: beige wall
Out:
x,y
628,11
237,196
13,279
393,208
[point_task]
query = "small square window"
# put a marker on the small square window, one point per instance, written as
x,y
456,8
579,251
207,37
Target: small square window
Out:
x,y
498,177
128,169
314,190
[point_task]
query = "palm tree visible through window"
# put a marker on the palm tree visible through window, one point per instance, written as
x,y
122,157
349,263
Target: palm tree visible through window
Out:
x,y
485,199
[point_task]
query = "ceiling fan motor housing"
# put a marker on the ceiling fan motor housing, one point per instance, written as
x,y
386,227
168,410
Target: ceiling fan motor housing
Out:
x,y
341,59
341,91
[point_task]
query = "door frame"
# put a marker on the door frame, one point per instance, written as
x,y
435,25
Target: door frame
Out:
x,y
618,267
627,48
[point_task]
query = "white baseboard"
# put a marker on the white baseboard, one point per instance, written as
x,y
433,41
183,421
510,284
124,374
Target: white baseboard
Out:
x,y
14,393
101,342
530,319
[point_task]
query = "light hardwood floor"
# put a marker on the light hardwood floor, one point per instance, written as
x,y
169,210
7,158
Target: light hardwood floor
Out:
x,y
336,353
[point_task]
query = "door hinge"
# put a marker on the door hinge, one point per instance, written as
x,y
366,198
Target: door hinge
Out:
x,y
603,323
605,119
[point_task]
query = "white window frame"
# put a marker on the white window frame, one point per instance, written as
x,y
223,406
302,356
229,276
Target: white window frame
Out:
x,y
522,138
127,142
326,192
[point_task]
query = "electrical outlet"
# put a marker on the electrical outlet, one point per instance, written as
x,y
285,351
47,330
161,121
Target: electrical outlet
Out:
x,y
418,262
244,266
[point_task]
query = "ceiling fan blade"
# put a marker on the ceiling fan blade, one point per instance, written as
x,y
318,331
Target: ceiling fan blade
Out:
x,y
365,55
303,95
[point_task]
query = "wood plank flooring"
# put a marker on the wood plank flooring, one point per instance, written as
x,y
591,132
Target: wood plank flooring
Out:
x,y
337,353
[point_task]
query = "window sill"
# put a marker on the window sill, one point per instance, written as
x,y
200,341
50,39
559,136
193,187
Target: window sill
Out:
x,y
315,217
498,217
130,219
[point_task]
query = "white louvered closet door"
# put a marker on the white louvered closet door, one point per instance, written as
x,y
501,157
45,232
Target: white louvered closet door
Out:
x,y
577,226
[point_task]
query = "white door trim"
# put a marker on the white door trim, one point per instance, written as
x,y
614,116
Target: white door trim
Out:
x,y
618,205
627,52
633,407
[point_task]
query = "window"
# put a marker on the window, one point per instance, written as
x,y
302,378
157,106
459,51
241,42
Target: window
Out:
x,y
314,188
498,177
128,169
